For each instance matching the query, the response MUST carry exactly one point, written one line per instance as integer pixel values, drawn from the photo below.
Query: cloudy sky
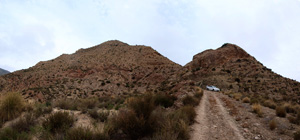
(39, 30)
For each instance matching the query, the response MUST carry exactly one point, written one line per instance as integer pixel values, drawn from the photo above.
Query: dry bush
(199, 93)
(280, 111)
(246, 100)
(273, 124)
(11, 134)
(142, 106)
(237, 96)
(41, 109)
(290, 108)
(99, 116)
(189, 100)
(58, 122)
(88, 103)
(257, 109)
(294, 120)
(186, 113)
(11, 106)
(297, 135)
(84, 133)
(270, 104)
(164, 100)
(67, 104)
(131, 124)
(24, 123)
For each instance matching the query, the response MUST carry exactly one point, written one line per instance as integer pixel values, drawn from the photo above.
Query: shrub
(131, 124)
(11, 106)
(41, 109)
(142, 106)
(67, 104)
(79, 133)
(186, 113)
(25, 123)
(257, 109)
(289, 108)
(294, 120)
(189, 100)
(237, 96)
(273, 124)
(58, 122)
(280, 111)
(101, 116)
(199, 93)
(246, 100)
(89, 103)
(163, 100)
(11, 134)
(297, 135)
(270, 104)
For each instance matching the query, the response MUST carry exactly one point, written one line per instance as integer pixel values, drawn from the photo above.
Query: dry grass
(280, 111)
(270, 103)
(190, 100)
(58, 122)
(237, 96)
(11, 106)
(273, 124)
(246, 100)
(256, 108)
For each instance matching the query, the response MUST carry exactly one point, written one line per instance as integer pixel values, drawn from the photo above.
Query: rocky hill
(233, 69)
(111, 68)
(2, 71)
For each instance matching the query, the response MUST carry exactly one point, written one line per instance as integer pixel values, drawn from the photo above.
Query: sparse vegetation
(297, 135)
(246, 100)
(190, 100)
(273, 124)
(256, 108)
(100, 116)
(58, 122)
(280, 111)
(270, 104)
(237, 96)
(11, 106)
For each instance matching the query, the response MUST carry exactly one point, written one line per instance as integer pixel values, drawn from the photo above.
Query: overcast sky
(39, 30)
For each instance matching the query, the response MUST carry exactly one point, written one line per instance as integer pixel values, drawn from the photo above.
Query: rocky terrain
(111, 68)
(2, 71)
(233, 69)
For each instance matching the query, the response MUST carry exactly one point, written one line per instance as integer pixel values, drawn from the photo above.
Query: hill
(2, 71)
(233, 69)
(111, 68)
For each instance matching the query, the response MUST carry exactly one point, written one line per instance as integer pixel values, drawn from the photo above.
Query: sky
(40, 30)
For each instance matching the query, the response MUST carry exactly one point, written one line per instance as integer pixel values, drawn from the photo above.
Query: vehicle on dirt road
(212, 88)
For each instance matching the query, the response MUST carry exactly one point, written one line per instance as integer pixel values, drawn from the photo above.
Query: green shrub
(270, 104)
(280, 111)
(58, 122)
(163, 100)
(11, 106)
(189, 100)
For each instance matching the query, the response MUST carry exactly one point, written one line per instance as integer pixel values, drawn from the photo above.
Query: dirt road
(213, 121)
(223, 118)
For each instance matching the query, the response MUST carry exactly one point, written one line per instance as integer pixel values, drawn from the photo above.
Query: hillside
(2, 71)
(233, 69)
(111, 68)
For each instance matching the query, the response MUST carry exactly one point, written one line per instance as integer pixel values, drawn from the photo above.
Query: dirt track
(223, 118)
(213, 121)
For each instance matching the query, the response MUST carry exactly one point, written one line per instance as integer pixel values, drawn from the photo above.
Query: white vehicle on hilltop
(212, 88)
